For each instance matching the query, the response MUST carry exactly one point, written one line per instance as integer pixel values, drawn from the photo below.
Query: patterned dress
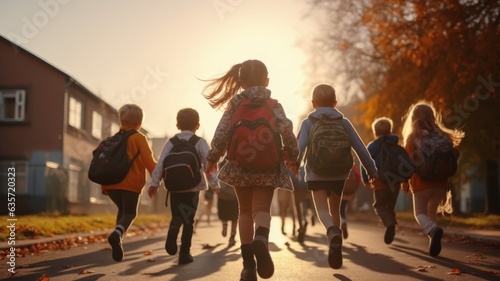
(237, 176)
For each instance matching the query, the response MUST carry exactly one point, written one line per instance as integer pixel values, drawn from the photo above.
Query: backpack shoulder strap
(313, 119)
(129, 133)
(175, 140)
(271, 102)
(194, 139)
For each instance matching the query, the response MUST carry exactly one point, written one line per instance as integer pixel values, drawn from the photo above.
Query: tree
(398, 52)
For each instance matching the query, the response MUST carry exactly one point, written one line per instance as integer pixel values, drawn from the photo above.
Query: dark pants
(330, 186)
(343, 207)
(384, 201)
(183, 207)
(127, 203)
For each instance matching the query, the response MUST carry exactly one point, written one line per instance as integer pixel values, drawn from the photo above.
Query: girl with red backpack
(251, 131)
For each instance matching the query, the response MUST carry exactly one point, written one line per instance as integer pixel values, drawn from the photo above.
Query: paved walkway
(216, 260)
(491, 237)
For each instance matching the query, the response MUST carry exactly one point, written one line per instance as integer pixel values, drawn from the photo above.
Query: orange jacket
(136, 177)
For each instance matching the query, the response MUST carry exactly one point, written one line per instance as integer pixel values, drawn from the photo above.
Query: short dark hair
(187, 119)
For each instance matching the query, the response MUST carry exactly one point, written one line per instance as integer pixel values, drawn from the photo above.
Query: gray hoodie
(356, 143)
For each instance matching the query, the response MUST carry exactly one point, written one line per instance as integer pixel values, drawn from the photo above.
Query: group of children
(254, 188)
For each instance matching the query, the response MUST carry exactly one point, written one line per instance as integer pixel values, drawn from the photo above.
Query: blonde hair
(130, 115)
(324, 95)
(423, 118)
(382, 126)
(446, 205)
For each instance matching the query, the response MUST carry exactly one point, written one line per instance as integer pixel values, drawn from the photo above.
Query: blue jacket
(374, 148)
(356, 143)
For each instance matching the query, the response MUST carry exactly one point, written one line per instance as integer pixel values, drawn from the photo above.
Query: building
(50, 124)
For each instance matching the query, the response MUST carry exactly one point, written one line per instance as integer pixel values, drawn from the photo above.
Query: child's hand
(368, 185)
(294, 166)
(405, 187)
(152, 191)
(216, 190)
(213, 182)
(285, 155)
(211, 167)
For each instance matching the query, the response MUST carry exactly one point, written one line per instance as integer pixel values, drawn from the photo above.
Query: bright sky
(150, 52)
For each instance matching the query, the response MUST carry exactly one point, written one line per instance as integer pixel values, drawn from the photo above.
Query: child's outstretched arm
(152, 190)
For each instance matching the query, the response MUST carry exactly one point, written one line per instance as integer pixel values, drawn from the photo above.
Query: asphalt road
(366, 257)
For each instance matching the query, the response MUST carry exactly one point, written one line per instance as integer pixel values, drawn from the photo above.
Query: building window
(75, 113)
(73, 183)
(97, 125)
(12, 105)
(17, 170)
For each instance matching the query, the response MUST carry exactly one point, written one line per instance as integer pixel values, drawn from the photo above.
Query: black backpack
(181, 167)
(110, 162)
(395, 165)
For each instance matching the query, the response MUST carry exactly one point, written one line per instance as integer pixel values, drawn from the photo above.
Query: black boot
(435, 242)
(335, 247)
(260, 248)
(249, 272)
(116, 246)
(173, 231)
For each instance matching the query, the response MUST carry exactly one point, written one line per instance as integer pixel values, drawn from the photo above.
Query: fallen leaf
(150, 260)
(206, 246)
(148, 253)
(422, 269)
(43, 278)
(477, 257)
(86, 271)
(427, 266)
(455, 271)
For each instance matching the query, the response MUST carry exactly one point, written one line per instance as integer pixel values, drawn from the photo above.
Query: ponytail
(221, 90)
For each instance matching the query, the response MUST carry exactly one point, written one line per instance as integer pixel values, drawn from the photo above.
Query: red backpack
(255, 142)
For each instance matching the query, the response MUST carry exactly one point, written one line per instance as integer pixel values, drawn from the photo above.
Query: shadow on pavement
(207, 263)
(464, 268)
(76, 264)
(381, 263)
